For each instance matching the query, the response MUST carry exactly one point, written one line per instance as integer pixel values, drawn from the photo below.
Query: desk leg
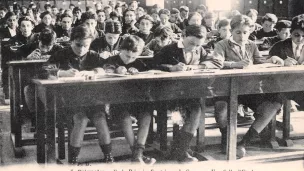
(273, 143)
(200, 141)
(162, 123)
(51, 126)
(232, 120)
(41, 122)
(286, 124)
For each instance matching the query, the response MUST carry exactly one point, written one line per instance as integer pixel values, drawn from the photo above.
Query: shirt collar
(232, 41)
(295, 45)
(180, 44)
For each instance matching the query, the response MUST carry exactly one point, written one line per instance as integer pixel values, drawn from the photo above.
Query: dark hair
(98, 11)
(297, 23)
(47, 37)
(163, 32)
(72, 5)
(113, 27)
(47, 6)
(201, 7)
(282, 24)
(184, 8)
(118, 5)
(132, 43)
(3, 8)
(197, 31)
(54, 6)
(42, 15)
(76, 9)
(164, 11)
(26, 18)
(252, 11)
(270, 17)
(113, 14)
(88, 15)
(88, 8)
(9, 15)
(106, 7)
(65, 15)
(174, 11)
(145, 17)
(223, 23)
(81, 32)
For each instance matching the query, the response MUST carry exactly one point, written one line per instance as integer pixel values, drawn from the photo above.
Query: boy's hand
(179, 67)
(121, 70)
(99, 71)
(105, 54)
(133, 71)
(240, 64)
(36, 54)
(290, 61)
(277, 60)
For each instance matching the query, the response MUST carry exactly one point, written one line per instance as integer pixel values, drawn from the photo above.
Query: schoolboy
(186, 54)
(69, 62)
(90, 19)
(145, 26)
(127, 62)
(267, 30)
(64, 30)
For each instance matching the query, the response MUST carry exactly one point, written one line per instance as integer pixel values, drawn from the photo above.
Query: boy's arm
(257, 57)
(219, 56)
(209, 61)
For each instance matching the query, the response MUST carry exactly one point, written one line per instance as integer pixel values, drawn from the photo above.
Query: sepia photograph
(152, 85)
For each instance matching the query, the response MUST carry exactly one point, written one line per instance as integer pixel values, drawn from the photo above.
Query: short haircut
(174, 11)
(145, 17)
(54, 6)
(201, 7)
(76, 9)
(194, 14)
(270, 17)
(98, 11)
(81, 32)
(282, 24)
(42, 15)
(47, 37)
(164, 11)
(297, 23)
(88, 8)
(106, 7)
(223, 23)
(197, 31)
(113, 27)
(47, 6)
(240, 20)
(184, 8)
(88, 15)
(163, 32)
(118, 5)
(2, 8)
(133, 2)
(127, 10)
(132, 43)
(71, 5)
(114, 14)
(208, 15)
(65, 15)
(26, 18)
(9, 15)
(252, 11)
(140, 9)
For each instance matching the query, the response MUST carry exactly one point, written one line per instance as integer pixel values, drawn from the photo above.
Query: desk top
(255, 70)
(24, 62)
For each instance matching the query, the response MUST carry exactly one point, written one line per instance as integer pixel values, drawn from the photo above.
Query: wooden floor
(258, 157)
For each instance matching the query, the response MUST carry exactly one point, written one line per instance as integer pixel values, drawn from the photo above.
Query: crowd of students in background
(109, 38)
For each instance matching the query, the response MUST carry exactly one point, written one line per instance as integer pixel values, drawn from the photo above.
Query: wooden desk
(160, 87)
(20, 74)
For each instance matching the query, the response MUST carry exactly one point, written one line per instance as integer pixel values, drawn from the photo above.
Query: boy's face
(26, 28)
(45, 48)
(130, 16)
(225, 32)
(78, 14)
(297, 36)
(81, 46)
(200, 11)
(112, 38)
(98, 6)
(184, 14)
(268, 26)
(173, 18)
(49, 9)
(209, 22)
(192, 43)
(108, 11)
(2, 13)
(129, 56)
(164, 19)
(145, 26)
(195, 20)
(101, 17)
(12, 22)
(47, 20)
(66, 23)
(133, 6)
(284, 33)
(139, 13)
(55, 11)
(241, 34)
(155, 17)
(91, 23)
(119, 10)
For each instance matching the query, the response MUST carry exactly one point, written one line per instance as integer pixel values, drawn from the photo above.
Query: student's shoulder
(283, 43)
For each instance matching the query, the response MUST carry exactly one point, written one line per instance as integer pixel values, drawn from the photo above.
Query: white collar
(180, 44)
(234, 42)
(294, 46)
